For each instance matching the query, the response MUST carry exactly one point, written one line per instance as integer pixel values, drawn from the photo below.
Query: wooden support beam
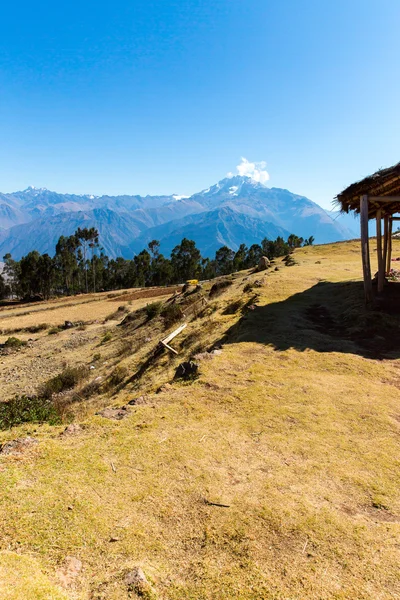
(389, 254)
(385, 241)
(384, 198)
(381, 266)
(365, 249)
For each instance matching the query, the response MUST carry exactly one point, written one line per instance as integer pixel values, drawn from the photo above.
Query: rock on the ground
(187, 370)
(114, 413)
(137, 582)
(69, 571)
(18, 446)
(138, 401)
(72, 429)
(263, 263)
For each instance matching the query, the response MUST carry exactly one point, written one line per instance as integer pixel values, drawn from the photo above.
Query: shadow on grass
(328, 317)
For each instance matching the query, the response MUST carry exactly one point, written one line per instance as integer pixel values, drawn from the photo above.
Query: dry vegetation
(274, 474)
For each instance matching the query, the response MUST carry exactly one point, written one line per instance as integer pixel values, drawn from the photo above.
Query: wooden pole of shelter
(385, 240)
(389, 254)
(381, 264)
(365, 249)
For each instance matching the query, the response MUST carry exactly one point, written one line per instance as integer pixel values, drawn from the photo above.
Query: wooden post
(365, 249)
(385, 241)
(389, 254)
(381, 264)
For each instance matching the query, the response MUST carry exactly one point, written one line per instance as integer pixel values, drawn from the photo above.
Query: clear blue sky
(165, 96)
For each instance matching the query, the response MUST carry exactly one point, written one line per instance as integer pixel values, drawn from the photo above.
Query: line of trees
(81, 266)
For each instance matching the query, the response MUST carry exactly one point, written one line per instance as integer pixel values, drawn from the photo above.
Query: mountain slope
(233, 211)
(116, 232)
(212, 229)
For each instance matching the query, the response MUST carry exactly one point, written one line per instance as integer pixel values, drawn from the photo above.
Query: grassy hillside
(274, 474)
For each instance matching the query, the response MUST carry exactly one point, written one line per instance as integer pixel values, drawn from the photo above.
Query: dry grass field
(272, 475)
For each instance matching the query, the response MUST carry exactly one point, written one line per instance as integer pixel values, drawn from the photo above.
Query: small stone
(137, 582)
(72, 429)
(92, 367)
(114, 539)
(70, 508)
(69, 571)
(68, 324)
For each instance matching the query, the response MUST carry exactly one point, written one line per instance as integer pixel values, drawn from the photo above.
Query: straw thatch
(385, 182)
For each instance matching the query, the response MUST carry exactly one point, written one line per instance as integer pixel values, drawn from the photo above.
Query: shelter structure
(375, 197)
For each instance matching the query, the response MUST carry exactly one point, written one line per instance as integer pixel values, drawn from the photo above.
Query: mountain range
(235, 210)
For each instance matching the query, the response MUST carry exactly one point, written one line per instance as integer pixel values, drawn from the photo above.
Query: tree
(294, 241)
(224, 260)
(86, 237)
(185, 261)
(4, 288)
(253, 256)
(12, 272)
(309, 241)
(239, 260)
(66, 260)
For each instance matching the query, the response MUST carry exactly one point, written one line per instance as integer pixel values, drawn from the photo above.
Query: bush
(219, 287)
(37, 328)
(54, 330)
(121, 310)
(153, 310)
(171, 313)
(14, 343)
(23, 409)
(117, 377)
(106, 338)
(66, 380)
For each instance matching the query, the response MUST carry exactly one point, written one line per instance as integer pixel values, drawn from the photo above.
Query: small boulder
(263, 263)
(137, 582)
(114, 413)
(68, 325)
(187, 370)
(72, 429)
(18, 446)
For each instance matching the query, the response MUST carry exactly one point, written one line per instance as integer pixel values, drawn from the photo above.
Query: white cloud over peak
(254, 170)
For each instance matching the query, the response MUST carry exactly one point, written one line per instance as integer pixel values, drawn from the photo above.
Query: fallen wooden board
(171, 336)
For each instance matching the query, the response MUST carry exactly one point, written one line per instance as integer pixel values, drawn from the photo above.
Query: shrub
(37, 328)
(96, 356)
(24, 409)
(248, 287)
(171, 313)
(66, 380)
(14, 343)
(106, 338)
(153, 310)
(117, 377)
(219, 287)
(126, 348)
(121, 310)
(233, 307)
(54, 330)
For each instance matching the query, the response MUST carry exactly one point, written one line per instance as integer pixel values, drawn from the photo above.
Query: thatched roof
(385, 182)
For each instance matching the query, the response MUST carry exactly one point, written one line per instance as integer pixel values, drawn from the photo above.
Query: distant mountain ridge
(233, 211)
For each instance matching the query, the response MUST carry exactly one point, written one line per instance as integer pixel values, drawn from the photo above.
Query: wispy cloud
(254, 170)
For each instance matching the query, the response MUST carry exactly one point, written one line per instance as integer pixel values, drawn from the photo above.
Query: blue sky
(165, 96)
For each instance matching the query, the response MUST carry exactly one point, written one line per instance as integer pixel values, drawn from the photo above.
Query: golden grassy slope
(295, 430)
